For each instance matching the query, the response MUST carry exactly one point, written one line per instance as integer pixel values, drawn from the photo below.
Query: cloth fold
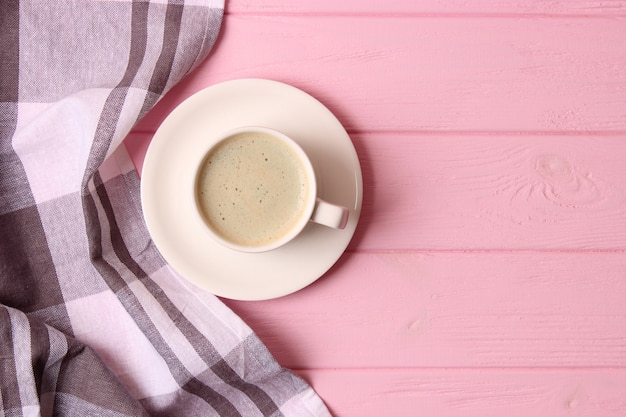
(92, 319)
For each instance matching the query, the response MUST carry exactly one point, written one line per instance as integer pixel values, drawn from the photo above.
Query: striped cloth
(93, 322)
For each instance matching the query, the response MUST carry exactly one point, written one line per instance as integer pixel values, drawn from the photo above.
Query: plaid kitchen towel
(93, 322)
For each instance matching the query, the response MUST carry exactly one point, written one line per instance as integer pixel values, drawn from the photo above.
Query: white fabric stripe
(54, 171)
(23, 366)
(108, 252)
(128, 115)
(203, 310)
(125, 350)
(176, 340)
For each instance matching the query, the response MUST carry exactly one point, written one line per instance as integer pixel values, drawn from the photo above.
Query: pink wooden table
(487, 276)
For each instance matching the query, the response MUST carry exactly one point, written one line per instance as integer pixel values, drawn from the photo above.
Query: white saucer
(169, 166)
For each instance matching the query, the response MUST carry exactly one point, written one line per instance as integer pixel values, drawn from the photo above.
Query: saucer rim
(280, 283)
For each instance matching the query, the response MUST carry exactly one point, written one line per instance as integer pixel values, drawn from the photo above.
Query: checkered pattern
(92, 320)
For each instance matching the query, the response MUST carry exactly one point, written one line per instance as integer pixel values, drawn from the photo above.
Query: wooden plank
(471, 393)
(482, 192)
(137, 145)
(432, 73)
(488, 7)
(402, 310)
(485, 192)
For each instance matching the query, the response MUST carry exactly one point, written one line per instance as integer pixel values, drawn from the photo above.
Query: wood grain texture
(402, 310)
(472, 393)
(485, 192)
(404, 7)
(432, 74)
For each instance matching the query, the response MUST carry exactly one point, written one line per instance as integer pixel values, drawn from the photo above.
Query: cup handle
(330, 215)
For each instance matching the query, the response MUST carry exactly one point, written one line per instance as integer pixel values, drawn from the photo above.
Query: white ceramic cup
(255, 190)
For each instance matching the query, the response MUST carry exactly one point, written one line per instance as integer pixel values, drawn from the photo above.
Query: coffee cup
(255, 190)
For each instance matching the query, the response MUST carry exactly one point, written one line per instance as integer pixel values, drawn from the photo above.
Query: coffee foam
(252, 189)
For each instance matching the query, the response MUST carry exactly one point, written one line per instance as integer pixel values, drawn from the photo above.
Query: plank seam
(477, 133)
(425, 15)
(489, 251)
(468, 368)
(540, 133)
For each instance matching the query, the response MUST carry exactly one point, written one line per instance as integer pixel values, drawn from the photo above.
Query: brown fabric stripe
(264, 402)
(9, 52)
(8, 382)
(138, 39)
(40, 352)
(28, 279)
(163, 68)
(14, 190)
(216, 400)
(114, 102)
(171, 34)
